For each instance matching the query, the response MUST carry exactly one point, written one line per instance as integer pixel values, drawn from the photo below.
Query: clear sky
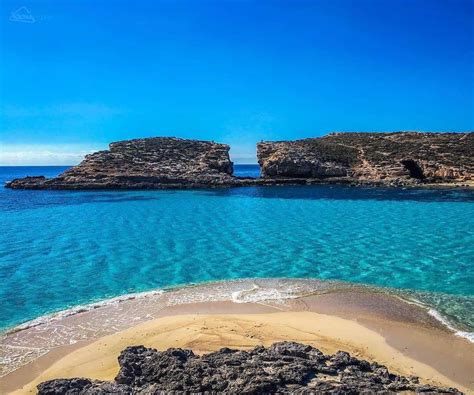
(84, 73)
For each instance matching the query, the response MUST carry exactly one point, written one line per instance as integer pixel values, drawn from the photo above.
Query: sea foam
(34, 338)
(438, 316)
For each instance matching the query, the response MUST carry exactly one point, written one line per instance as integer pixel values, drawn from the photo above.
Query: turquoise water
(63, 248)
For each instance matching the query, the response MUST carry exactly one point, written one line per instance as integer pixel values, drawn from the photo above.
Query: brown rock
(400, 158)
(144, 163)
(393, 159)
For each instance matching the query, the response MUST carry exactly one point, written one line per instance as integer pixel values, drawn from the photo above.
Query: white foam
(256, 294)
(466, 335)
(112, 315)
(83, 308)
(438, 316)
(259, 294)
(273, 290)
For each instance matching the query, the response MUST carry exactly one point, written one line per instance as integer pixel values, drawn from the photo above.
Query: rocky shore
(161, 162)
(388, 159)
(403, 158)
(284, 367)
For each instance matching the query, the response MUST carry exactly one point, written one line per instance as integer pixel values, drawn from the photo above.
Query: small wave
(437, 315)
(259, 294)
(271, 290)
(428, 306)
(112, 315)
(81, 309)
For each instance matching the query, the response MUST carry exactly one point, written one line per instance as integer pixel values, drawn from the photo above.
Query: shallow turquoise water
(61, 248)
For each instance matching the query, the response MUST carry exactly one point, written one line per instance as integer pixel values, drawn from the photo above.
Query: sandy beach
(375, 327)
(237, 197)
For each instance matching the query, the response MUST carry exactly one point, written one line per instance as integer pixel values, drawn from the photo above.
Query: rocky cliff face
(144, 163)
(388, 158)
(404, 158)
(284, 367)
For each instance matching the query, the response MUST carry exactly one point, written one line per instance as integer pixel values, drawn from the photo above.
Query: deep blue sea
(63, 248)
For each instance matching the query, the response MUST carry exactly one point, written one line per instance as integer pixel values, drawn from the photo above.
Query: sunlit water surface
(61, 248)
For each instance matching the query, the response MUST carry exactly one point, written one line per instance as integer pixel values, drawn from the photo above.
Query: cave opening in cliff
(413, 168)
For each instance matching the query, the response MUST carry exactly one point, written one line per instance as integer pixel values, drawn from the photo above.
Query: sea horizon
(255, 197)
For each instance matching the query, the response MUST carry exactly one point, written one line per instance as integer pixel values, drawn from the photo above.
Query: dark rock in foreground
(402, 158)
(282, 368)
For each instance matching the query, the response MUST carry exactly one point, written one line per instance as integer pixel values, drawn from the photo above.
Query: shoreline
(322, 286)
(407, 328)
(238, 182)
(394, 344)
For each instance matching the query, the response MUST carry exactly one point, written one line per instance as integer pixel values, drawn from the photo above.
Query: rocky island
(390, 159)
(403, 158)
(161, 162)
(284, 367)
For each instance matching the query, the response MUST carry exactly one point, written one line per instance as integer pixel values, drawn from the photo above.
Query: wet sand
(374, 326)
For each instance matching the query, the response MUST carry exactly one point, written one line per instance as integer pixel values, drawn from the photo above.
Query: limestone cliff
(144, 163)
(404, 158)
(387, 158)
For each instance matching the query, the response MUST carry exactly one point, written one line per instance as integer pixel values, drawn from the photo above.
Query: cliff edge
(400, 158)
(388, 159)
(161, 162)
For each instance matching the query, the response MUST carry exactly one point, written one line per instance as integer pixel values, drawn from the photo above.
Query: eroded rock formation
(387, 158)
(144, 163)
(284, 367)
(404, 158)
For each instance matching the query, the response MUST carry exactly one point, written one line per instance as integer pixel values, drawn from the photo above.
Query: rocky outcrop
(144, 163)
(386, 158)
(405, 158)
(284, 367)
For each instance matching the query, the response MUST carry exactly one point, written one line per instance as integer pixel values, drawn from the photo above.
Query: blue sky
(85, 73)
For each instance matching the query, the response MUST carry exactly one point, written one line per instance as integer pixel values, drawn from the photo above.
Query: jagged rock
(281, 368)
(387, 158)
(144, 163)
(391, 159)
(81, 386)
